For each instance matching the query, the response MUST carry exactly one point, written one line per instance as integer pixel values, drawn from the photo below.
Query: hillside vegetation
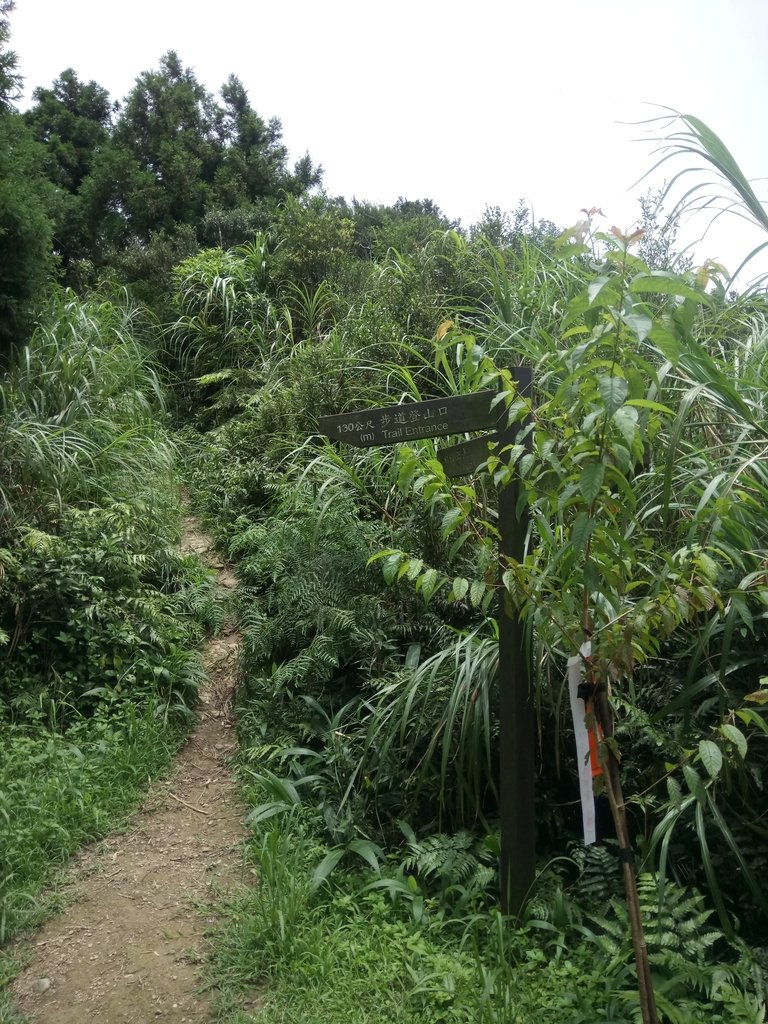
(183, 306)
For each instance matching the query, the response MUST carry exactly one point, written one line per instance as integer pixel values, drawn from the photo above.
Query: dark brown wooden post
(440, 417)
(516, 707)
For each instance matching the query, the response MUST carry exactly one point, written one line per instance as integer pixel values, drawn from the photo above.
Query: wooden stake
(517, 751)
(615, 796)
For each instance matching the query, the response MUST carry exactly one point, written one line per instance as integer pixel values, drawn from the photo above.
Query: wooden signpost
(440, 417)
(369, 428)
(517, 726)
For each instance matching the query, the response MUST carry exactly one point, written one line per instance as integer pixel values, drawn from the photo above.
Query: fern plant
(696, 973)
(676, 925)
(454, 870)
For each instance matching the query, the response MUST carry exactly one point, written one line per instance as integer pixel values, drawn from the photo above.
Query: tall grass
(707, 179)
(80, 412)
(99, 666)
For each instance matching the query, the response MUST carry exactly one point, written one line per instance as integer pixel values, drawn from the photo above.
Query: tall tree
(72, 119)
(167, 131)
(10, 79)
(176, 168)
(25, 229)
(253, 175)
(188, 154)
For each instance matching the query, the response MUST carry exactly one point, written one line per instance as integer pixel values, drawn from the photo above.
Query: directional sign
(440, 417)
(463, 459)
(410, 421)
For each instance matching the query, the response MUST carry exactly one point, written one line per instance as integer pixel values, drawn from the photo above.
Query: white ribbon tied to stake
(582, 745)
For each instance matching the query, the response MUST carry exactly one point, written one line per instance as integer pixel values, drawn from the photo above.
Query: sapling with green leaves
(612, 567)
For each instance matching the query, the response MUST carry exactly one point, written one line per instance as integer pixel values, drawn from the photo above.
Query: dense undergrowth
(367, 705)
(100, 615)
(418, 940)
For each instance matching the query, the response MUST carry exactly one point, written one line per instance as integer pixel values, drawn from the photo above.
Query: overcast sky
(470, 104)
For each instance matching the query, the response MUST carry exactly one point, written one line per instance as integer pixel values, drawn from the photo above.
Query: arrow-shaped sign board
(410, 421)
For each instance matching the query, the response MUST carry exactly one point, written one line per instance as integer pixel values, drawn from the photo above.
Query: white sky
(468, 103)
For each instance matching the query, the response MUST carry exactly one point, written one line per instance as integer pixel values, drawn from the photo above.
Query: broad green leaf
(412, 656)
(460, 587)
(452, 518)
(575, 330)
(508, 580)
(458, 543)
(751, 717)
(596, 288)
(429, 584)
(674, 791)
(625, 419)
(381, 554)
(646, 403)
(695, 785)
(591, 480)
(622, 457)
(325, 867)
(476, 592)
(391, 565)
(592, 418)
(637, 381)
(741, 608)
(405, 566)
(639, 323)
(666, 342)
(736, 737)
(408, 469)
(613, 391)
(370, 852)
(711, 757)
(415, 565)
(708, 567)
(428, 579)
(582, 530)
(664, 283)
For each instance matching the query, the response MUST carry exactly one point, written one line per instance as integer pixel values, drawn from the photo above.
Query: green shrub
(91, 614)
(60, 791)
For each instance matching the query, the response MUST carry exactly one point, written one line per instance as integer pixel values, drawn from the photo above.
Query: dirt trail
(129, 948)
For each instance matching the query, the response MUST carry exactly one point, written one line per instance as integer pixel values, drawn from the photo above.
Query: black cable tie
(626, 854)
(586, 690)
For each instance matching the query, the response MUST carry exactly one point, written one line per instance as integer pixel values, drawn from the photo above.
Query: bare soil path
(128, 950)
